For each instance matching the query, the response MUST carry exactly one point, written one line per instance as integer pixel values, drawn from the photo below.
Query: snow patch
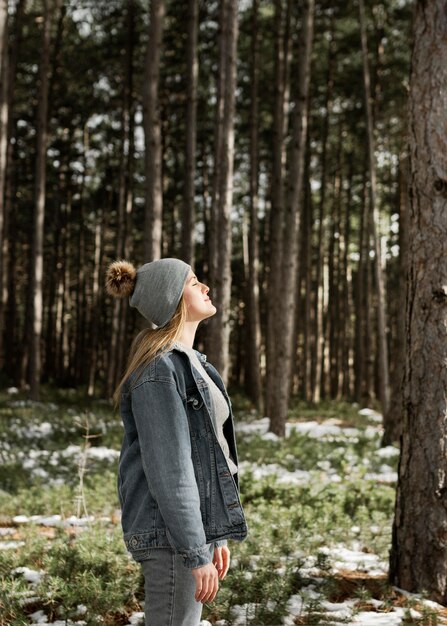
(31, 575)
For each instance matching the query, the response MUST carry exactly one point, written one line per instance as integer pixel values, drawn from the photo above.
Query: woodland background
(95, 194)
(294, 154)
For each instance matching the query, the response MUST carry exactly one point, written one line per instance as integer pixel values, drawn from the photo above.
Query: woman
(177, 476)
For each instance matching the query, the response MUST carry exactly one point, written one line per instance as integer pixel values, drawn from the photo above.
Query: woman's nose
(206, 288)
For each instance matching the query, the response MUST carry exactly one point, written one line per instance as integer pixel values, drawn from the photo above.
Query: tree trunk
(280, 125)
(219, 326)
(285, 322)
(192, 76)
(346, 283)
(152, 136)
(418, 560)
(120, 307)
(375, 221)
(36, 278)
(317, 352)
(4, 139)
(334, 274)
(8, 354)
(253, 378)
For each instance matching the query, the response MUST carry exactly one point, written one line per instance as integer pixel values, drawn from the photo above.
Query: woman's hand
(222, 561)
(207, 582)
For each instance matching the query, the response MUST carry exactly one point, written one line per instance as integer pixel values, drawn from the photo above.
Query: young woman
(177, 476)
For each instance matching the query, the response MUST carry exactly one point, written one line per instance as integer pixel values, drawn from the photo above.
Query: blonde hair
(150, 343)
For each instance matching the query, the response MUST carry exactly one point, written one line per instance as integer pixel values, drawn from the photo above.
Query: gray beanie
(158, 289)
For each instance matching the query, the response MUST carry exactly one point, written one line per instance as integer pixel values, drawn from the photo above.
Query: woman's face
(196, 297)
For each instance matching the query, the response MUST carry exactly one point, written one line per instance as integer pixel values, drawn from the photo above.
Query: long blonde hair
(150, 343)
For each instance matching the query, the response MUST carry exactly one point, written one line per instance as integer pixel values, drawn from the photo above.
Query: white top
(221, 410)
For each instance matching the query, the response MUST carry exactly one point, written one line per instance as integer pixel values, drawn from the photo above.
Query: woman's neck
(188, 334)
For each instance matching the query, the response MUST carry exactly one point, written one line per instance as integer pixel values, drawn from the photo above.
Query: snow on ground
(329, 430)
(53, 520)
(39, 617)
(31, 575)
(343, 558)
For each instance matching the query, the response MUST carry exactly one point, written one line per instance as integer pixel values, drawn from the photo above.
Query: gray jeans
(169, 589)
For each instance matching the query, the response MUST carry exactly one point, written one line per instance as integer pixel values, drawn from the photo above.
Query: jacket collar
(181, 348)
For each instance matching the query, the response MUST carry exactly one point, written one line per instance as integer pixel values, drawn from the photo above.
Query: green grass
(289, 525)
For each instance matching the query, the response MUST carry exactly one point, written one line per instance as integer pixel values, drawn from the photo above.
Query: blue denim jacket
(174, 484)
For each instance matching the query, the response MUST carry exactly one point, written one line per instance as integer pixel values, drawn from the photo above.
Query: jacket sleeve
(165, 444)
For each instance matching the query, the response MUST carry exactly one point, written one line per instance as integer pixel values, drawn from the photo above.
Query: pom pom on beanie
(120, 279)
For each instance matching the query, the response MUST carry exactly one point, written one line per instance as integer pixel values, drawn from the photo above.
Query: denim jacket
(174, 484)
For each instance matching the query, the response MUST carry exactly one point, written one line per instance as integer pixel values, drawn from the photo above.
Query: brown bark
(8, 354)
(152, 136)
(345, 296)
(280, 126)
(219, 326)
(36, 277)
(334, 276)
(4, 137)
(317, 352)
(253, 378)
(120, 307)
(192, 77)
(289, 261)
(418, 560)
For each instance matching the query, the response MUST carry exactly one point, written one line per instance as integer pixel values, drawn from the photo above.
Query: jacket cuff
(197, 558)
(220, 543)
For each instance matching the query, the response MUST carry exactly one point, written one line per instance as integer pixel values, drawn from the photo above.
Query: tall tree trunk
(253, 378)
(192, 77)
(418, 560)
(375, 221)
(346, 282)
(362, 339)
(280, 125)
(35, 286)
(4, 139)
(334, 273)
(304, 321)
(317, 352)
(219, 335)
(289, 273)
(152, 136)
(120, 308)
(8, 353)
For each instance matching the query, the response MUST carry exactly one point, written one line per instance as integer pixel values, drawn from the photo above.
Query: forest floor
(319, 505)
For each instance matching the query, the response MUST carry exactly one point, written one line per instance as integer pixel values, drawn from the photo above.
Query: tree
(374, 220)
(221, 240)
(418, 560)
(253, 317)
(192, 69)
(152, 135)
(280, 126)
(35, 286)
(4, 124)
(280, 383)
